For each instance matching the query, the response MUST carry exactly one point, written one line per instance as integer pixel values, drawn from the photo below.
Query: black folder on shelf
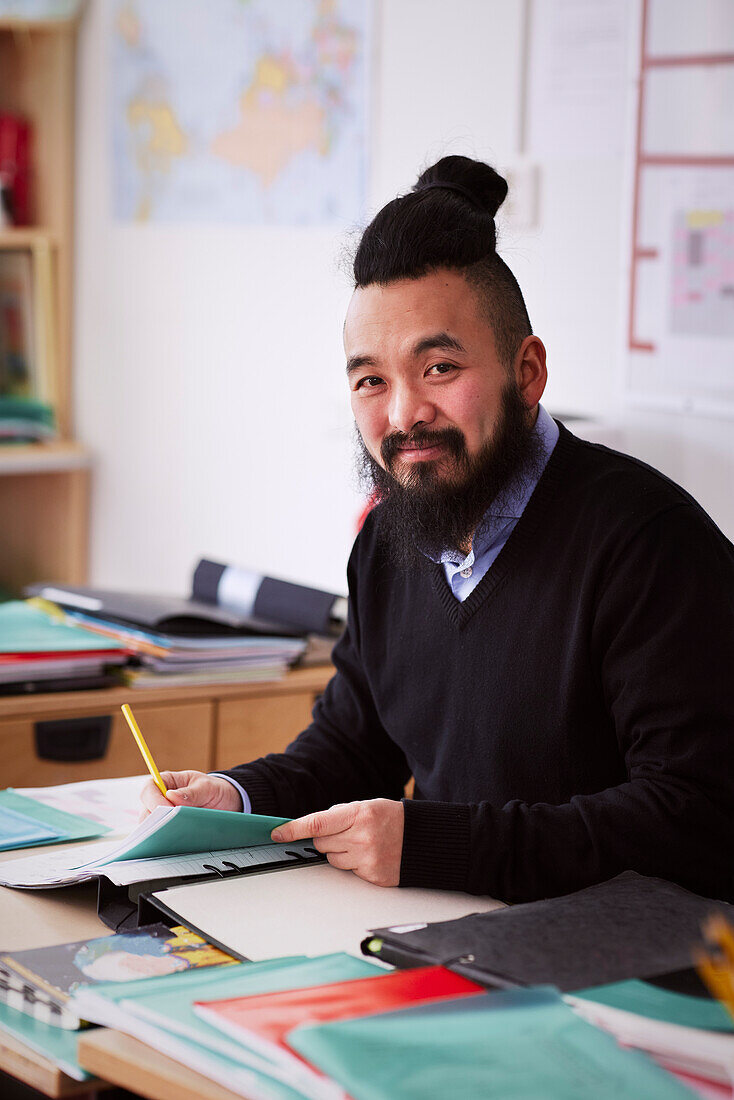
(628, 927)
(161, 614)
(299, 607)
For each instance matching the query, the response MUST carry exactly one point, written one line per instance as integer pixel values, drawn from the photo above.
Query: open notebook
(172, 842)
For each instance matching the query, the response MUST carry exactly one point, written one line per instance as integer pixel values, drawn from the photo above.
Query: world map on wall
(240, 110)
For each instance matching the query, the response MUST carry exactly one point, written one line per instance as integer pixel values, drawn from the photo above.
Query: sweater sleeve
(345, 754)
(663, 648)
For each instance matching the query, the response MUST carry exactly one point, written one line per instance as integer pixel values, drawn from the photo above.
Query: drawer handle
(73, 739)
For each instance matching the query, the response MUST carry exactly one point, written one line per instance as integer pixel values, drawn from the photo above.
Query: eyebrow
(437, 341)
(440, 341)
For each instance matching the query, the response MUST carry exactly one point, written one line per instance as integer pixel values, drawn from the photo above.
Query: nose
(409, 407)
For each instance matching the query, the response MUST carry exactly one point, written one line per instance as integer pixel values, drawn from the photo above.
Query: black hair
(447, 221)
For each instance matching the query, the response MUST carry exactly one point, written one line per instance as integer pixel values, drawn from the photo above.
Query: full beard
(432, 508)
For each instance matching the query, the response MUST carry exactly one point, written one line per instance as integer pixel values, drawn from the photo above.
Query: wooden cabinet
(263, 725)
(70, 736)
(44, 488)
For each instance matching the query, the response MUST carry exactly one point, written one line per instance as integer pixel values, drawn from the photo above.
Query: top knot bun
(446, 221)
(486, 187)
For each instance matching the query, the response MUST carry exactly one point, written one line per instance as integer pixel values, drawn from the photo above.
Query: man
(541, 631)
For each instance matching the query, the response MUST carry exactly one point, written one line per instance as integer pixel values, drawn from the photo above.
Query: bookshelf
(44, 488)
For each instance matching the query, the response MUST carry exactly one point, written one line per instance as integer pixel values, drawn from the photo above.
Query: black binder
(628, 927)
(123, 908)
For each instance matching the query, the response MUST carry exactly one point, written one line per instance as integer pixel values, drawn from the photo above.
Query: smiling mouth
(422, 451)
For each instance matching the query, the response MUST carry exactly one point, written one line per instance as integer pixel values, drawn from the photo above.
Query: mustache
(450, 438)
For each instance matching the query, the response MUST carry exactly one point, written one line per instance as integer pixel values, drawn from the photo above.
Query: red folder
(262, 1021)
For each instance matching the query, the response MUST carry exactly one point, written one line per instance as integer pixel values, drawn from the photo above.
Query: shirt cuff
(246, 807)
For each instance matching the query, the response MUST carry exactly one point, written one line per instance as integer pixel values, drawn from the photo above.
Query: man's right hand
(189, 788)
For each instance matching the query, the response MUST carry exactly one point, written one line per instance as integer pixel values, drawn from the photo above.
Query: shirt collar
(512, 501)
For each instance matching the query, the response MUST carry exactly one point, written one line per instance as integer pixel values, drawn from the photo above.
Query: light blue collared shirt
(464, 572)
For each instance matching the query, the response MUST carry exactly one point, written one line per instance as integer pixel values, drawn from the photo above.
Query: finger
(151, 797)
(323, 823)
(201, 791)
(345, 861)
(173, 781)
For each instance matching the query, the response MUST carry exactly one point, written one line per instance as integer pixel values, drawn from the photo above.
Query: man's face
(421, 359)
(443, 424)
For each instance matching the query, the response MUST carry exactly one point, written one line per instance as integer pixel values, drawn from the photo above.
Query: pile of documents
(41, 651)
(175, 642)
(165, 660)
(327, 1026)
(37, 985)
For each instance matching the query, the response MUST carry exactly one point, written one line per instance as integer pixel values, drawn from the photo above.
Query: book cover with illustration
(40, 981)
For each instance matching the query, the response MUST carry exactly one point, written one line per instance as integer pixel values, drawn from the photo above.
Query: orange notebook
(262, 1021)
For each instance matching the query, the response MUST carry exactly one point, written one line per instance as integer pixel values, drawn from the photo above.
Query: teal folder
(655, 1003)
(190, 829)
(54, 1043)
(514, 1045)
(26, 823)
(20, 831)
(27, 629)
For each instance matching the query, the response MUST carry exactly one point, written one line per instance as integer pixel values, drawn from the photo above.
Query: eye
(440, 369)
(370, 382)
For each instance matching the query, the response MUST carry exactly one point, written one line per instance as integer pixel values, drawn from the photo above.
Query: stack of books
(37, 985)
(176, 642)
(41, 651)
(169, 660)
(28, 363)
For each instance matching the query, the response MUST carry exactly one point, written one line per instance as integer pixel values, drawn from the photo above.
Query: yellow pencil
(140, 741)
(716, 966)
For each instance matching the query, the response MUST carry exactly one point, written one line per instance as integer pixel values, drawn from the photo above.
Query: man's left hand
(364, 837)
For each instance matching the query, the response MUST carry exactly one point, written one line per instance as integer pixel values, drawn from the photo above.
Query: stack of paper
(36, 985)
(40, 651)
(168, 659)
(690, 1033)
(325, 1027)
(172, 841)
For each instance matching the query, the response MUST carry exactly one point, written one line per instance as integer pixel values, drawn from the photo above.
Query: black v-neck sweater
(573, 718)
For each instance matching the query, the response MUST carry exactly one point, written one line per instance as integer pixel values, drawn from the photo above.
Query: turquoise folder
(655, 1003)
(54, 1043)
(191, 829)
(514, 1045)
(27, 629)
(26, 823)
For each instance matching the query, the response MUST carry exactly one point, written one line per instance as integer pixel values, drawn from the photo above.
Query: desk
(204, 727)
(57, 916)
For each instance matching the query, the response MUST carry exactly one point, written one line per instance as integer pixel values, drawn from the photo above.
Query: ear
(530, 370)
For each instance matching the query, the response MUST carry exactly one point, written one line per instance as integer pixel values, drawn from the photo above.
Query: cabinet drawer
(248, 728)
(44, 750)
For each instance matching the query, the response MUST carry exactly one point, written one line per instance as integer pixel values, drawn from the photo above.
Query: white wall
(209, 370)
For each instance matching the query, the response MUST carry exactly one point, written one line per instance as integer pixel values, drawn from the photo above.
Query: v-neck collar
(526, 529)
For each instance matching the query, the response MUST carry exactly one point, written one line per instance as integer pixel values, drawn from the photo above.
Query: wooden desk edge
(33, 1069)
(130, 1064)
(314, 678)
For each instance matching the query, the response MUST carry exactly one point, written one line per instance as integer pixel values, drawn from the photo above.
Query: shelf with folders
(29, 381)
(44, 486)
